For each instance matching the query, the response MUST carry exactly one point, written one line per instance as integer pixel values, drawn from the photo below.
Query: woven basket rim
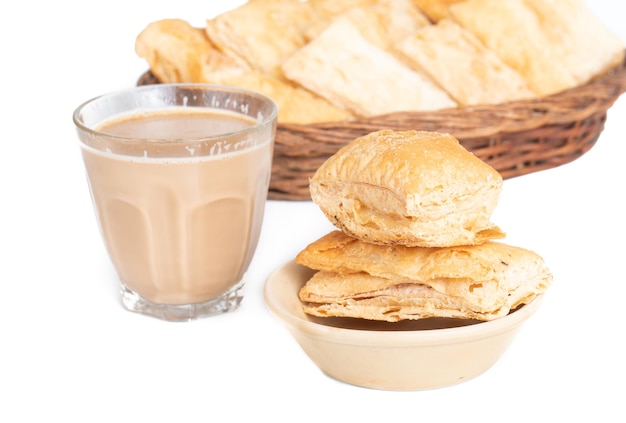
(576, 103)
(573, 104)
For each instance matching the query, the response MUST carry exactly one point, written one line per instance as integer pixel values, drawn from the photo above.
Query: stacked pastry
(415, 236)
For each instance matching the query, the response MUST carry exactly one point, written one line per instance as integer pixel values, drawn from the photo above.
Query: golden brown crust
(178, 52)
(343, 59)
(261, 33)
(295, 104)
(325, 11)
(436, 10)
(409, 187)
(580, 41)
(352, 73)
(456, 60)
(359, 279)
(554, 45)
(383, 23)
(174, 50)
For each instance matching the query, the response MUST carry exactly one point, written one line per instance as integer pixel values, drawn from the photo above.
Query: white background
(69, 352)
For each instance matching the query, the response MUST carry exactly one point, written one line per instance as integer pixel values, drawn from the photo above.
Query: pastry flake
(436, 10)
(262, 33)
(354, 74)
(455, 59)
(554, 45)
(174, 49)
(391, 283)
(413, 188)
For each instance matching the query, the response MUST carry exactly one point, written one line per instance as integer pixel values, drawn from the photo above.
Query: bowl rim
(298, 274)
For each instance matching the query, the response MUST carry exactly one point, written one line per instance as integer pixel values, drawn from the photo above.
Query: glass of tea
(179, 176)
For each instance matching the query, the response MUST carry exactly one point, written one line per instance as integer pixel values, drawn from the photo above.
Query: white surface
(69, 352)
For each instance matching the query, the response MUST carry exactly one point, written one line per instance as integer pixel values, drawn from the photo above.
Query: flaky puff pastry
(344, 67)
(174, 49)
(262, 33)
(381, 22)
(411, 188)
(554, 45)
(295, 104)
(391, 283)
(436, 10)
(455, 59)
(179, 52)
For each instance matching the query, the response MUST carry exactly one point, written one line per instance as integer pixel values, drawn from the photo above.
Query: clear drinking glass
(179, 176)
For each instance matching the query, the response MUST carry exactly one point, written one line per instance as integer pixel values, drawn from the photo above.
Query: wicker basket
(515, 138)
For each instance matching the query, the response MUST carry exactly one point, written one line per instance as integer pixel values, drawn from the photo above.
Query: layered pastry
(390, 282)
(411, 188)
(416, 239)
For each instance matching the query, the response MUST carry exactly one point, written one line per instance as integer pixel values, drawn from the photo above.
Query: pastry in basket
(455, 59)
(381, 22)
(174, 50)
(554, 45)
(262, 33)
(295, 104)
(392, 283)
(327, 10)
(413, 188)
(339, 60)
(352, 73)
(435, 9)
(178, 52)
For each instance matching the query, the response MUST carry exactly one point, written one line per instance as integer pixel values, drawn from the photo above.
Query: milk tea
(181, 224)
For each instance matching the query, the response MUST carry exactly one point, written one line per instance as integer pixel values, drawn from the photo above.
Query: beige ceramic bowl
(413, 355)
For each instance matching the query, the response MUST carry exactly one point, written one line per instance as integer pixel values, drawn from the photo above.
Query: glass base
(226, 302)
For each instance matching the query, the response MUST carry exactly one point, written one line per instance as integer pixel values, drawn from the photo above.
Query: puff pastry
(179, 52)
(581, 42)
(554, 45)
(391, 283)
(412, 188)
(455, 59)
(174, 49)
(327, 10)
(352, 73)
(436, 10)
(262, 33)
(295, 104)
(381, 22)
